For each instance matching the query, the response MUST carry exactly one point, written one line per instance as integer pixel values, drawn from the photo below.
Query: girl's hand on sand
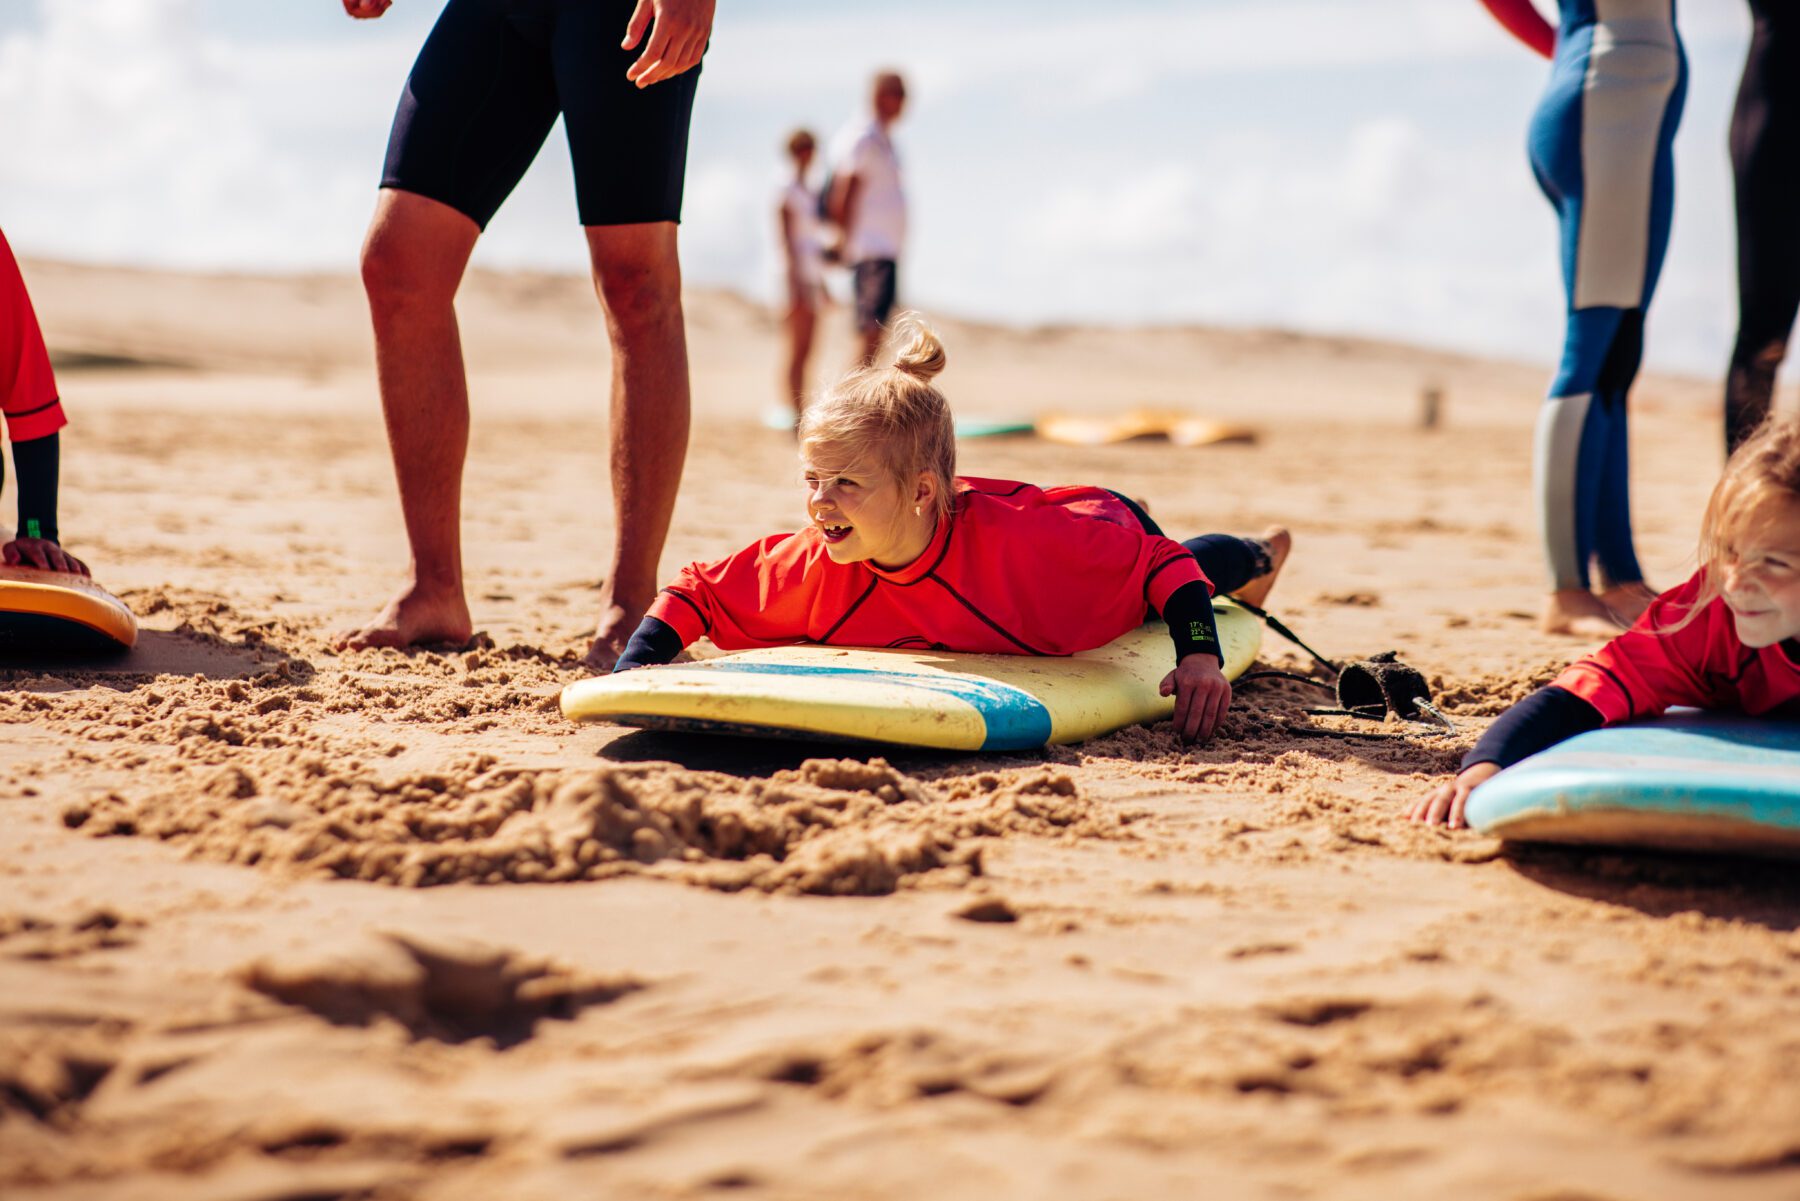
(41, 553)
(1444, 804)
(364, 10)
(1202, 695)
(677, 40)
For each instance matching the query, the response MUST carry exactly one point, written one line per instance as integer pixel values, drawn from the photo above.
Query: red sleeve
(27, 385)
(1654, 664)
(1525, 22)
(760, 596)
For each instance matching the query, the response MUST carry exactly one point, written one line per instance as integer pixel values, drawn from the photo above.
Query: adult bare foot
(1280, 542)
(413, 618)
(1577, 612)
(618, 622)
(1627, 602)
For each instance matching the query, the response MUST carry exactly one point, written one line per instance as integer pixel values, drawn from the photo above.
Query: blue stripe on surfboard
(1015, 720)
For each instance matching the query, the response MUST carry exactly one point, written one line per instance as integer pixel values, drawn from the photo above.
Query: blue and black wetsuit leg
(1765, 160)
(1602, 148)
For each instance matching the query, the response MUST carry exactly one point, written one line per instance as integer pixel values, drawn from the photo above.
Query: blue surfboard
(1686, 782)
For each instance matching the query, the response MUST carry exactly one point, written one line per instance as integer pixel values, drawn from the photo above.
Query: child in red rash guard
(1728, 638)
(33, 415)
(899, 552)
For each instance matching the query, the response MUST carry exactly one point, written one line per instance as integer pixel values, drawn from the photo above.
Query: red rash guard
(1649, 667)
(27, 388)
(1015, 569)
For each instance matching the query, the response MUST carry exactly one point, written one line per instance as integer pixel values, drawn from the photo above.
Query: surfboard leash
(1368, 688)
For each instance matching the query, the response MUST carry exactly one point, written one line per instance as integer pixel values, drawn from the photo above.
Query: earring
(918, 511)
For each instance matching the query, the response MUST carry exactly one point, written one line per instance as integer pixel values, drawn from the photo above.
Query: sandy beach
(278, 922)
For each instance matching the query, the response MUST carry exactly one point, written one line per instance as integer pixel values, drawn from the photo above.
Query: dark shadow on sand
(758, 757)
(1765, 892)
(157, 653)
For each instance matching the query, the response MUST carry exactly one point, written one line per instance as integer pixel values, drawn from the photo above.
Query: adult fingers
(34, 555)
(640, 21)
(641, 71)
(10, 552)
(1167, 687)
(1431, 809)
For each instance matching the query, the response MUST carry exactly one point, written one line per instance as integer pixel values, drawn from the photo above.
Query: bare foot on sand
(1578, 612)
(618, 622)
(1627, 602)
(1280, 543)
(414, 618)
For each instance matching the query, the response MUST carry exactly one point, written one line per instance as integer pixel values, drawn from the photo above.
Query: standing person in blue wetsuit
(1765, 160)
(488, 85)
(1601, 147)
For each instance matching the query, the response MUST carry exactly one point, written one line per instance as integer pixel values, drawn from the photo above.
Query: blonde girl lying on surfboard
(900, 552)
(1728, 638)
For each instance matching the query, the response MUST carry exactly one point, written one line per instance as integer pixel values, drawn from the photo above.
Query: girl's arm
(1522, 19)
(654, 642)
(35, 545)
(1543, 719)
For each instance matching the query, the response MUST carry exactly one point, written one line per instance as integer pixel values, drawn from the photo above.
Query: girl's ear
(925, 491)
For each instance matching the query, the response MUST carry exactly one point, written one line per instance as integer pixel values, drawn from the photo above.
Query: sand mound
(836, 827)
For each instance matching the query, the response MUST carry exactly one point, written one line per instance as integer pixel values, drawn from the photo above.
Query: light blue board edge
(1015, 720)
(1692, 764)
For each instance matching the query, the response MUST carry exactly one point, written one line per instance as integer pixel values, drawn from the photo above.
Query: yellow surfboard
(936, 699)
(1179, 428)
(57, 610)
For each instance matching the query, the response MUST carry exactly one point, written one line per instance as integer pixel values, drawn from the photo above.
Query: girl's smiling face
(863, 512)
(1761, 583)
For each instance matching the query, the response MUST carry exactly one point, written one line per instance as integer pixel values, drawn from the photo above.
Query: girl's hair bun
(918, 351)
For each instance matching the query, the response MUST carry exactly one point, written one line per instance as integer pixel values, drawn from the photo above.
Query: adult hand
(1444, 804)
(366, 10)
(1202, 695)
(677, 40)
(41, 553)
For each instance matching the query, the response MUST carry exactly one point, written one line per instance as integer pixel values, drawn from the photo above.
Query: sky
(1350, 166)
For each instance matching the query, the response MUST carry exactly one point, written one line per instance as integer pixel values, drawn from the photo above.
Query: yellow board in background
(935, 699)
(55, 610)
(1179, 428)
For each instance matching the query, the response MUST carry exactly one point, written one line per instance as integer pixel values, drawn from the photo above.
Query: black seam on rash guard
(1012, 491)
(1750, 659)
(1630, 701)
(986, 620)
(935, 563)
(54, 401)
(854, 606)
(705, 622)
(1155, 571)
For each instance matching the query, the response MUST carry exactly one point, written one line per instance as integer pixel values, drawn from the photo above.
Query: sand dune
(279, 922)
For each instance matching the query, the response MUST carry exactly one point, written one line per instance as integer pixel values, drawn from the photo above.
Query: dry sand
(666, 967)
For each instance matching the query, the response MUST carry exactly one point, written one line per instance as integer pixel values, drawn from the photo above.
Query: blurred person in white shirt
(868, 203)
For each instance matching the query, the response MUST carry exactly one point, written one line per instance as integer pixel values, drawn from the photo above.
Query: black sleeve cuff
(654, 642)
(1192, 626)
(36, 462)
(1546, 717)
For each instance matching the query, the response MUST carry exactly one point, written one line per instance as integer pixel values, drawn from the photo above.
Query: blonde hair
(892, 415)
(1765, 468)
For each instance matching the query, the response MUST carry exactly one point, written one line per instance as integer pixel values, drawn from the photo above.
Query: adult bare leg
(638, 277)
(802, 320)
(412, 262)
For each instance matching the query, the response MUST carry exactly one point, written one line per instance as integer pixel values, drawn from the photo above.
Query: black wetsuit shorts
(491, 81)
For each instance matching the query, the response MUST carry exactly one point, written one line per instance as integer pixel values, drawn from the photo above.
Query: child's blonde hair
(891, 416)
(1765, 468)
